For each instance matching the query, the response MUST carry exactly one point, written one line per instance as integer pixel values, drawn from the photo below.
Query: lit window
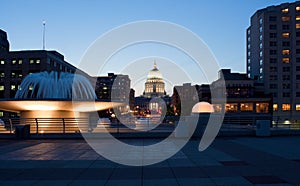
(38, 61)
(31, 61)
(298, 107)
(246, 107)
(285, 35)
(298, 18)
(286, 18)
(285, 52)
(286, 60)
(2, 62)
(2, 74)
(20, 61)
(1, 114)
(232, 107)
(12, 87)
(298, 8)
(286, 10)
(13, 61)
(262, 107)
(297, 26)
(275, 107)
(286, 106)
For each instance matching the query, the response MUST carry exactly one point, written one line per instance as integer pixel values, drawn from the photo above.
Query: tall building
(273, 57)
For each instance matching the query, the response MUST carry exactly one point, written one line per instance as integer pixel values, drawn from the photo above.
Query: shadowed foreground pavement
(229, 161)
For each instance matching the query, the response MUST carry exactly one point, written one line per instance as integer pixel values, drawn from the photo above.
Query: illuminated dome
(154, 73)
(202, 107)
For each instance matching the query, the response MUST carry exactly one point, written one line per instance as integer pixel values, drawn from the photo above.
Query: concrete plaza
(228, 161)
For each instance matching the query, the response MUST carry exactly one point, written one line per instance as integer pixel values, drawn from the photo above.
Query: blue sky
(72, 26)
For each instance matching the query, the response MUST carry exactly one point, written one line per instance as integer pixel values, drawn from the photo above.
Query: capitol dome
(154, 73)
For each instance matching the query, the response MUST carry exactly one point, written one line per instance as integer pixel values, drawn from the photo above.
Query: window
(286, 94)
(20, 61)
(273, 69)
(31, 61)
(274, 94)
(286, 69)
(275, 107)
(12, 87)
(298, 8)
(13, 61)
(37, 61)
(273, 52)
(285, 43)
(298, 107)
(285, 52)
(274, 60)
(285, 10)
(297, 77)
(262, 107)
(298, 85)
(1, 87)
(297, 68)
(261, 62)
(231, 107)
(297, 94)
(273, 43)
(260, 21)
(246, 107)
(298, 59)
(285, 34)
(13, 74)
(286, 60)
(273, 86)
(297, 51)
(298, 42)
(273, 77)
(272, 18)
(298, 18)
(2, 74)
(286, 107)
(285, 18)
(272, 27)
(285, 27)
(297, 26)
(273, 35)
(297, 34)
(286, 77)
(2, 62)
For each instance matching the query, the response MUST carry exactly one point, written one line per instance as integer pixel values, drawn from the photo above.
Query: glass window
(285, 34)
(285, 43)
(285, 52)
(275, 107)
(298, 107)
(2, 62)
(285, 27)
(285, 10)
(273, 52)
(20, 61)
(31, 61)
(286, 69)
(273, 69)
(273, 77)
(273, 43)
(12, 87)
(272, 18)
(38, 61)
(286, 94)
(286, 77)
(217, 107)
(297, 68)
(13, 61)
(273, 60)
(286, 60)
(286, 107)
(286, 18)
(272, 35)
(1, 87)
(297, 25)
(298, 18)
(246, 107)
(273, 86)
(272, 27)
(262, 107)
(297, 94)
(298, 8)
(231, 107)
(2, 74)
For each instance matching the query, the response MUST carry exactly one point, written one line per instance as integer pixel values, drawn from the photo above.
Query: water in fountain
(54, 85)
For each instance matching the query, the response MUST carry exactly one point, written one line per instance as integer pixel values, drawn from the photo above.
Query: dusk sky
(72, 26)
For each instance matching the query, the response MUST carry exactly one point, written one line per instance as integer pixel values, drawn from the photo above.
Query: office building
(273, 57)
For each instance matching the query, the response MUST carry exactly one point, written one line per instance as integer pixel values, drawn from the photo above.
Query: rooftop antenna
(44, 30)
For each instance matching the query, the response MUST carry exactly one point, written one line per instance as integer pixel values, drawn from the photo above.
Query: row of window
(20, 61)
(285, 107)
(283, 18)
(243, 107)
(284, 77)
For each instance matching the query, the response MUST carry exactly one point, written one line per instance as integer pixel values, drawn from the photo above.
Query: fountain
(55, 95)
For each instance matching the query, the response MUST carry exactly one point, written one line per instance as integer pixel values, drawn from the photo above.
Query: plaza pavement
(228, 161)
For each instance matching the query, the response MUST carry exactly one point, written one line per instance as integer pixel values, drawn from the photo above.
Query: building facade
(273, 57)
(15, 65)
